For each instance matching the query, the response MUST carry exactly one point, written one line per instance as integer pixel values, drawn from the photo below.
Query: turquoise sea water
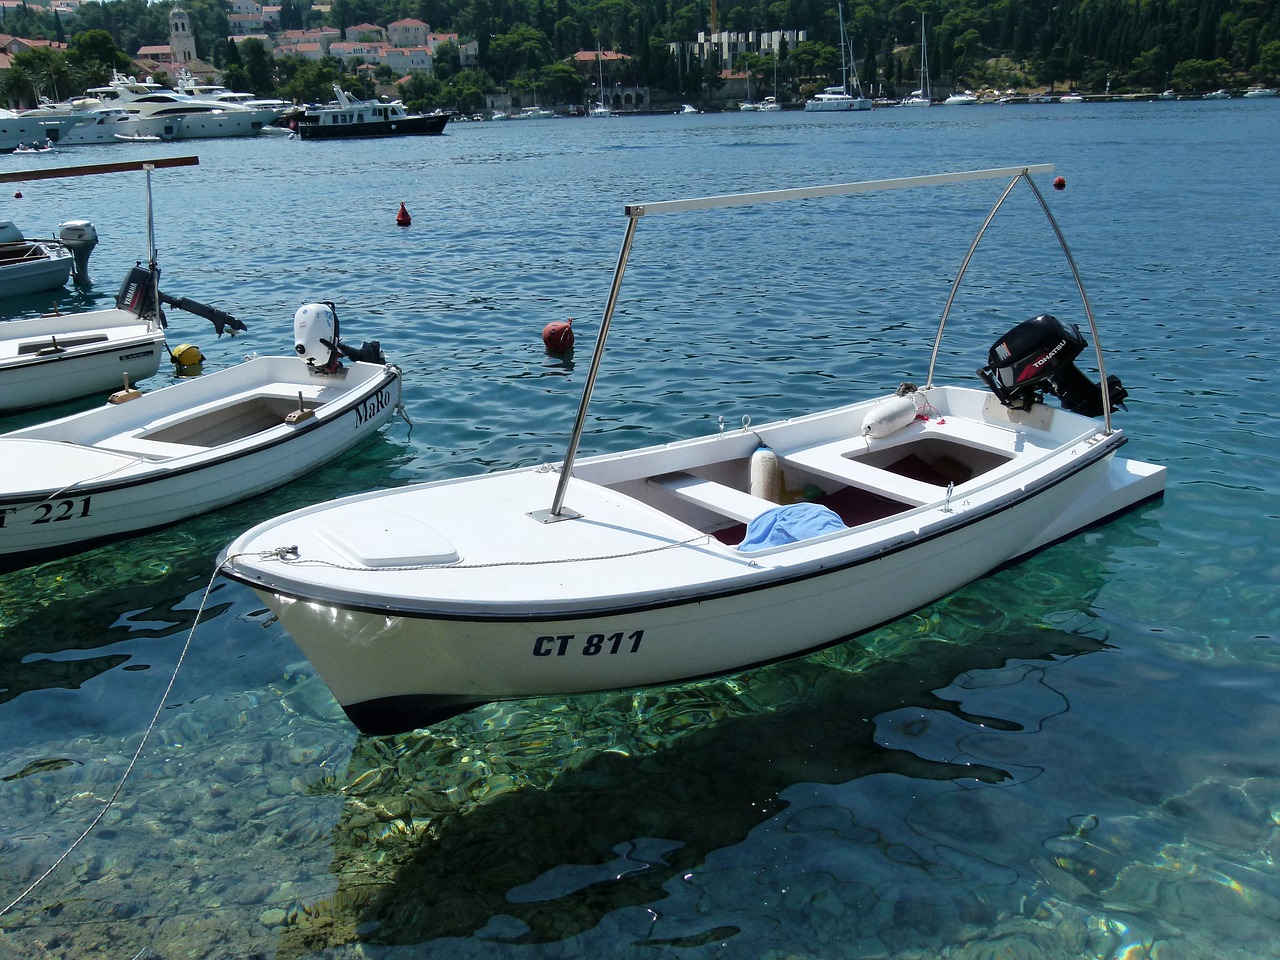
(1076, 757)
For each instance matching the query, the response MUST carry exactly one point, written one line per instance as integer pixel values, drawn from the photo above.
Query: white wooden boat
(30, 265)
(703, 556)
(185, 449)
(52, 359)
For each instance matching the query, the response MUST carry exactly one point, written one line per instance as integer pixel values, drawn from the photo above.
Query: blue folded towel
(788, 524)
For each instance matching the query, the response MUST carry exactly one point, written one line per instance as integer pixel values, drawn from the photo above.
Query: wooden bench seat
(717, 497)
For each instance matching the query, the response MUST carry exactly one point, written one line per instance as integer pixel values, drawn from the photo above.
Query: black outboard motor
(138, 295)
(1035, 358)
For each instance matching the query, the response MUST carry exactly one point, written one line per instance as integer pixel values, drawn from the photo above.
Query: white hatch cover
(381, 538)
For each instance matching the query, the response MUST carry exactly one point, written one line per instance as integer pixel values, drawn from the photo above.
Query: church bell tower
(182, 43)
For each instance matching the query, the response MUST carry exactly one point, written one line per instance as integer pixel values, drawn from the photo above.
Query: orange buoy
(402, 218)
(557, 336)
(1059, 183)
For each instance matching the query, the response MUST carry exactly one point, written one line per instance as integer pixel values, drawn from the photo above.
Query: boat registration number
(592, 645)
(50, 511)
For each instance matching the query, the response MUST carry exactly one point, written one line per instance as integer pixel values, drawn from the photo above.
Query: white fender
(765, 475)
(889, 416)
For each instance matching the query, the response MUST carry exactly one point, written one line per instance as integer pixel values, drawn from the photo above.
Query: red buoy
(1059, 183)
(402, 218)
(558, 336)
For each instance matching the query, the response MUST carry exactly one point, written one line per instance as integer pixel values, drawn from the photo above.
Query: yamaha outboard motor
(316, 339)
(141, 287)
(138, 292)
(1036, 357)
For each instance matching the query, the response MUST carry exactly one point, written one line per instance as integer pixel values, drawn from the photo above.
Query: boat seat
(717, 497)
(148, 449)
(828, 460)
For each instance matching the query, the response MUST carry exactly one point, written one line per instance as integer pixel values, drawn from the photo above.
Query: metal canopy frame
(634, 211)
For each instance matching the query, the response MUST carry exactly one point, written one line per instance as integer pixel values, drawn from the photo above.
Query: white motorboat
(704, 556)
(96, 122)
(30, 265)
(686, 109)
(965, 99)
(1258, 90)
(190, 447)
(1071, 97)
(20, 129)
(269, 110)
(768, 105)
(1223, 94)
(60, 357)
(199, 118)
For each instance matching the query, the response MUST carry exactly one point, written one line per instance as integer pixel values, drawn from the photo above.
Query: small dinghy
(705, 556)
(29, 265)
(61, 357)
(148, 460)
(57, 358)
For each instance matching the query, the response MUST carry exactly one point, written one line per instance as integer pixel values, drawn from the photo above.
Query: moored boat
(29, 265)
(346, 118)
(199, 444)
(704, 556)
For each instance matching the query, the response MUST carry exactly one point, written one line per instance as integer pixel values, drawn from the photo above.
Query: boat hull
(118, 470)
(54, 359)
(658, 604)
(33, 267)
(418, 125)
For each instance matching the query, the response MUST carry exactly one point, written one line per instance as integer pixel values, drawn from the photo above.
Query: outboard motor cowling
(138, 292)
(318, 340)
(1036, 357)
(315, 335)
(80, 238)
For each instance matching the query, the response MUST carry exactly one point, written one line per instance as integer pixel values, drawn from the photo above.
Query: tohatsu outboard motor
(1036, 357)
(316, 339)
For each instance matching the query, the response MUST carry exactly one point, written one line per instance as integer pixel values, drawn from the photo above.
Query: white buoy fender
(765, 476)
(889, 416)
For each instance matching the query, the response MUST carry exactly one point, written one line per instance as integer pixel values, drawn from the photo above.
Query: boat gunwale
(202, 458)
(783, 575)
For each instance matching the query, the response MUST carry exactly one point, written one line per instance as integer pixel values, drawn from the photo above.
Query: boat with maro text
(149, 460)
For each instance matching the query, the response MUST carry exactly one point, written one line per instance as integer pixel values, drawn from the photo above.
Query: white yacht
(271, 109)
(199, 117)
(17, 129)
(95, 122)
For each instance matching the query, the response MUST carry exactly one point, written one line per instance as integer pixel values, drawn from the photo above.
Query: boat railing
(635, 211)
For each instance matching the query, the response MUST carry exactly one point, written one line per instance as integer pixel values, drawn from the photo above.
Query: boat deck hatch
(933, 460)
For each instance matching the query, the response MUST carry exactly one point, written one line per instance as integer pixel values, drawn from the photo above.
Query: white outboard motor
(317, 340)
(315, 335)
(80, 238)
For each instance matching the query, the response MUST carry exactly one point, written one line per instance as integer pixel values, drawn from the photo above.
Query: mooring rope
(155, 719)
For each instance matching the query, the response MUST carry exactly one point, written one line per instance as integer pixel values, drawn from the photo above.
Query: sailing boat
(769, 104)
(920, 98)
(839, 98)
(598, 109)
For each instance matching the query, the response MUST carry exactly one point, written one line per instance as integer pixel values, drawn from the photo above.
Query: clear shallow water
(1072, 758)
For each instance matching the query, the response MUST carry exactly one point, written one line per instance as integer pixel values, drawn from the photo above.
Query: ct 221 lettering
(593, 645)
(51, 511)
